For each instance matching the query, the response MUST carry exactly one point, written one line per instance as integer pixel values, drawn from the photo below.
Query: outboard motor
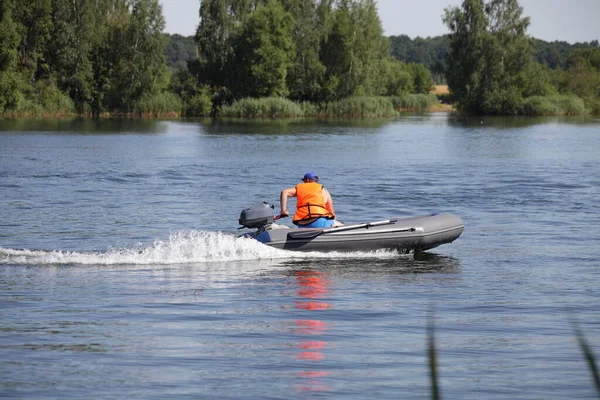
(259, 216)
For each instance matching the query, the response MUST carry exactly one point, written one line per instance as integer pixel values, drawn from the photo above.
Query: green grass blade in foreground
(432, 356)
(589, 356)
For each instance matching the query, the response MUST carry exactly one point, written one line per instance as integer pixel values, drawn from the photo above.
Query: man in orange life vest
(314, 206)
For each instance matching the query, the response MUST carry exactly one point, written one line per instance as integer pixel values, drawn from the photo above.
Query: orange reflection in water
(312, 288)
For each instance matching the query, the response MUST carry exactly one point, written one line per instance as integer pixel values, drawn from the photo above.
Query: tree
(77, 28)
(490, 55)
(264, 52)
(582, 77)
(179, 50)
(422, 81)
(398, 80)
(9, 41)
(138, 46)
(312, 21)
(355, 51)
(465, 62)
(33, 27)
(217, 33)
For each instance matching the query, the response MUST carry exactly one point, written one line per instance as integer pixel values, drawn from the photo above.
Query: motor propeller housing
(257, 216)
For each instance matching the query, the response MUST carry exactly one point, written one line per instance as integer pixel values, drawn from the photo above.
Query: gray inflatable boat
(403, 234)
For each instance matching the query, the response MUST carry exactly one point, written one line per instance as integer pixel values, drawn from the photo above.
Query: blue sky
(565, 20)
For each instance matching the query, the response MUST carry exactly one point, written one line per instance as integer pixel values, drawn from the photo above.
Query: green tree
(138, 47)
(264, 52)
(216, 36)
(355, 51)
(9, 41)
(179, 50)
(465, 61)
(399, 81)
(33, 27)
(582, 77)
(422, 81)
(78, 27)
(490, 56)
(311, 25)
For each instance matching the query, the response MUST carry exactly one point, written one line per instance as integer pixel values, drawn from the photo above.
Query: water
(121, 276)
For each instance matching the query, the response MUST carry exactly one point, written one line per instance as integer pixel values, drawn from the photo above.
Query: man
(314, 207)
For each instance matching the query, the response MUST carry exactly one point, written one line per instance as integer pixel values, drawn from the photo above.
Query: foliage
(363, 107)
(33, 25)
(489, 57)
(552, 105)
(140, 68)
(399, 80)
(216, 36)
(9, 39)
(414, 101)
(355, 51)
(196, 99)
(158, 105)
(179, 50)
(329, 56)
(307, 49)
(97, 54)
(430, 52)
(554, 55)
(422, 81)
(582, 78)
(199, 105)
(264, 51)
(10, 94)
(271, 107)
(306, 72)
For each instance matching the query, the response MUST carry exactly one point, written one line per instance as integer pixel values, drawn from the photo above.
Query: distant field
(440, 89)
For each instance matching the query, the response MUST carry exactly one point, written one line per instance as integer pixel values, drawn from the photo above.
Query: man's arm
(285, 193)
(328, 201)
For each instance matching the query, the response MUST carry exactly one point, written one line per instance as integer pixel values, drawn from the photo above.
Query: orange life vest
(310, 202)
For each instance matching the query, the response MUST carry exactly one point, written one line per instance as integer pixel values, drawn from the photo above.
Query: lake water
(121, 275)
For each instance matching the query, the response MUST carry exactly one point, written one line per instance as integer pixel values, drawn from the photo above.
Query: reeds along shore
(169, 105)
(361, 107)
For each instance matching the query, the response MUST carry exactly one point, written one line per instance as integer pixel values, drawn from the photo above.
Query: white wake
(180, 248)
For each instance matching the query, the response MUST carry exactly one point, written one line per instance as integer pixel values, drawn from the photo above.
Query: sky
(564, 20)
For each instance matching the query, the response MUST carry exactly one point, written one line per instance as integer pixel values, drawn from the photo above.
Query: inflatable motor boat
(401, 234)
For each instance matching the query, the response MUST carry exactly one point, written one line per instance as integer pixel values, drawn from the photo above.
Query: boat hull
(403, 234)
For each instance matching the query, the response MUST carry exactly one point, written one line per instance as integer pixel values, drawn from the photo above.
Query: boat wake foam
(180, 248)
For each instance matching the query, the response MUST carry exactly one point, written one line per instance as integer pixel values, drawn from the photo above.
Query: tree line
(88, 57)
(433, 51)
(111, 56)
(490, 67)
(430, 51)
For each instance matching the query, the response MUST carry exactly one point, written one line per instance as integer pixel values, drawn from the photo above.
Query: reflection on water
(465, 121)
(233, 126)
(312, 292)
(83, 126)
(418, 263)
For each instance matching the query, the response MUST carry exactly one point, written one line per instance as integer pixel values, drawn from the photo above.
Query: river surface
(121, 275)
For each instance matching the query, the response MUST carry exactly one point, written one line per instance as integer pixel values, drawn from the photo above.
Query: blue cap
(311, 176)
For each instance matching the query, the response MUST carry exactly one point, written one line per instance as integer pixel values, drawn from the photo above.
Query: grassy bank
(353, 107)
(170, 105)
(553, 105)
